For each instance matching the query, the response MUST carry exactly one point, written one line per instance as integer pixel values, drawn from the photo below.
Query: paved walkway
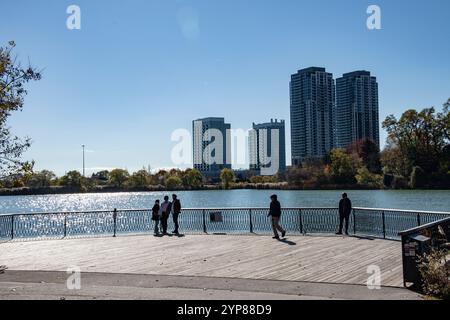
(50, 285)
(299, 260)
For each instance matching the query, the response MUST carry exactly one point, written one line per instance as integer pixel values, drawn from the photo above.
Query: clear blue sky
(139, 69)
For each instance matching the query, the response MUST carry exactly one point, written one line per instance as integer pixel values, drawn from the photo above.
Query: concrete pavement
(38, 285)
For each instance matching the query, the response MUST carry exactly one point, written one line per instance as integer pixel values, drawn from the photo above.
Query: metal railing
(377, 223)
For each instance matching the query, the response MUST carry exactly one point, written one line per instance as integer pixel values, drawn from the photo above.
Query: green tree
(13, 79)
(192, 178)
(160, 177)
(101, 175)
(394, 162)
(420, 136)
(72, 179)
(227, 177)
(173, 182)
(343, 167)
(118, 177)
(41, 179)
(418, 178)
(139, 179)
(366, 178)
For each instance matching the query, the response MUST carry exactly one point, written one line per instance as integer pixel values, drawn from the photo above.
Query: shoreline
(65, 190)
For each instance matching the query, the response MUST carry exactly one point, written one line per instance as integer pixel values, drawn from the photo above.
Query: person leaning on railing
(275, 213)
(345, 209)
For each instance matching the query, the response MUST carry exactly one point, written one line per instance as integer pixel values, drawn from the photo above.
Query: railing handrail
(229, 208)
(57, 212)
(422, 227)
(402, 211)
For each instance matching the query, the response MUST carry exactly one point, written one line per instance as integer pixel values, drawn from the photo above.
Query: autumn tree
(369, 152)
(13, 78)
(192, 178)
(118, 177)
(419, 141)
(227, 177)
(343, 166)
(140, 179)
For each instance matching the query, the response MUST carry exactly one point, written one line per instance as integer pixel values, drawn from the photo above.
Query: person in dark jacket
(176, 209)
(275, 213)
(345, 209)
(166, 206)
(155, 216)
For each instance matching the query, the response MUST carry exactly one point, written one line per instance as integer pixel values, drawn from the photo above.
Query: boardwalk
(329, 259)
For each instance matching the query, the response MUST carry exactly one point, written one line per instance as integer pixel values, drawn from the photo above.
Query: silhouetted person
(164, 213)
(275, 212)
(155, 216)
(345, 209)
(176, 209)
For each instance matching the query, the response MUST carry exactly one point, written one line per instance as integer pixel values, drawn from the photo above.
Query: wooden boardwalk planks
(303, 258)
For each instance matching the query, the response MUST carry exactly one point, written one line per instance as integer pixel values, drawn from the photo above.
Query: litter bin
(414, 247)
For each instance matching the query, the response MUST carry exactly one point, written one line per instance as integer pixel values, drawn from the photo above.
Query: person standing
(164, 213)
(275, 213)
(156, 217)
(345, 209)
(176, 209)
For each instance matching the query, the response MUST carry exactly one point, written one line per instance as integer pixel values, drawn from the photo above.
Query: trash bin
(414, 247)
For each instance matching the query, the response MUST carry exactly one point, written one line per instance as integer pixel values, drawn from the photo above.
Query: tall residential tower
(211, 146)
(267, 147)
(356, 113)
(312, 94)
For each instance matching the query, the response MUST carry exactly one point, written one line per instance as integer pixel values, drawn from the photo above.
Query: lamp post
(84, 175)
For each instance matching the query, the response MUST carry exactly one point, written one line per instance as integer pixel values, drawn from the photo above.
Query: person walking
(156, 217)
(275, 213)
(176, 209)
(345, 209)
(164, 213)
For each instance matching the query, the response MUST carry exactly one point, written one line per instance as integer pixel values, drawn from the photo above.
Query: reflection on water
(412, 200)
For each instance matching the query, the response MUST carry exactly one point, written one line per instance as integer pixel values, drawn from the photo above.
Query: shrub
(173, 182)
(366, 178)
(435, 272)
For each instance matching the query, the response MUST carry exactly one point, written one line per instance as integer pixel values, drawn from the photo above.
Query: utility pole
(84, 173)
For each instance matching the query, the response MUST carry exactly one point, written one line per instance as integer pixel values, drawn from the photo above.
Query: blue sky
(138, 70)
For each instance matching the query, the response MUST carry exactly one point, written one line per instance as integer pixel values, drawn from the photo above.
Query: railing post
(115, 221)
(384, 225)
(418, 220)
(65, 225)
(301, 220)
(12, 227)
(204, 221)
(354, 222)
(251, 221)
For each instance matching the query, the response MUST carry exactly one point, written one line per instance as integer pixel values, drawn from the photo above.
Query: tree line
(417, 154)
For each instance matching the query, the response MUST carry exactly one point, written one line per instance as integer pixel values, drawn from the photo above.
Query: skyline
(105, 85)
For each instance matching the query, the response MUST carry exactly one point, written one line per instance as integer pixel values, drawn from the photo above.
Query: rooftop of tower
(357, 73)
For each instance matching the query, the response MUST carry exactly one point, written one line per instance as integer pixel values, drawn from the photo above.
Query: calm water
(412, 200)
